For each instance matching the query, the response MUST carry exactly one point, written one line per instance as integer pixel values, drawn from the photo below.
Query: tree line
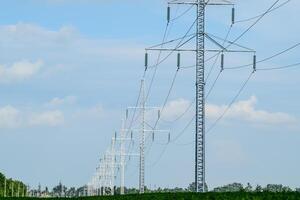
(11, 188)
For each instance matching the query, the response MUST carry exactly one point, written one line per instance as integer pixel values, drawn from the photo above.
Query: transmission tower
(142, 130)
(123, 139)
(200, 51)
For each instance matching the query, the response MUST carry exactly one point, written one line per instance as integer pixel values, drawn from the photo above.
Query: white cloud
(65, 44)
(92, 112)
(50, 118)
(19, 71)
(22, 34)
(240, 111)
(246, 111)
(175, 108)
(61, 101)
(9, 117)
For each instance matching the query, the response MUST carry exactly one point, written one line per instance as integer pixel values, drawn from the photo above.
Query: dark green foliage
(194, 196)
(9, 187)
(234, 187)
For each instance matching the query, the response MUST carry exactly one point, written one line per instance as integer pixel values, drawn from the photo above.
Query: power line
(183, 13)
(184, 130)
(157, 63)
(243, 86)
(213, 85)
(238, 38)
(166, 33)
(167, 98)
(278, 68)
(218, 55)
(171, 41)
(267, 58)
(231, 103)
(172, 141)
(176, 47)
(159, 157)
(181, 115)
(165, 58)
(175, 76)
(250, 27)
(257, 16)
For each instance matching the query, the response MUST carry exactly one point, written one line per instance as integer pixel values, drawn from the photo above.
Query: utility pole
(200, 51)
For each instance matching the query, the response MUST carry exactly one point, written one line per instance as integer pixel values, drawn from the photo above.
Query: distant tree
(132, 191)
(297, 190)
(59, 190)
(248, 188)
(273, 188)
(2, 184)
(71, 192)
(234, 187)
(159, 189)
(177, 189)
(192, 187)
(258, 188)
(286, 189)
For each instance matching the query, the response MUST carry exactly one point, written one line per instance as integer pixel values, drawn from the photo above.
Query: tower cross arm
(205, 3)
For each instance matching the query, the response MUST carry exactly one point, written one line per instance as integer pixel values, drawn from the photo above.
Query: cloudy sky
(69, 69)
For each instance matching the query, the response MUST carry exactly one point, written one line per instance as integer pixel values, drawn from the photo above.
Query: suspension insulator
(158, 114)
(233, 15)
(153, 137)
(115, 135)
(131, 135)
(168, 14)
(222, 62)
(254, 63)
(169, 138)
(146, 61)
(178, 61)
(126, 113)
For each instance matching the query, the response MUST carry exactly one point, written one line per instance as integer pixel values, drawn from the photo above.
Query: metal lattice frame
(142, 143)
(200, 101)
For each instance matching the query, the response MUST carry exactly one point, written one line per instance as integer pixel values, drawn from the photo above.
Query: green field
(193, 196)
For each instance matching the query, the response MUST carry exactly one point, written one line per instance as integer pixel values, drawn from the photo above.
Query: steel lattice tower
(142, 143)
(200, 50)
(200, 99)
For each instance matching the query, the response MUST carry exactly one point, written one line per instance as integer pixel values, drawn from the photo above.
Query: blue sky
(69, 68)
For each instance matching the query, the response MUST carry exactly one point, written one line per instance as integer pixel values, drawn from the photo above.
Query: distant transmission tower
(143, 132)
(200, 51)
(123, 154)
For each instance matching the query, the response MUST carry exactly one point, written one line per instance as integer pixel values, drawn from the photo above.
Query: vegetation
(194, 196)
(234, 191)
(11, 188)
